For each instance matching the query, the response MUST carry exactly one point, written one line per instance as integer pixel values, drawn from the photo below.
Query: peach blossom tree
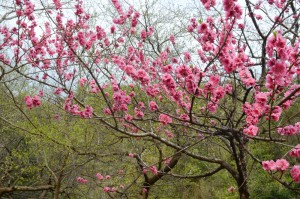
(231, 86)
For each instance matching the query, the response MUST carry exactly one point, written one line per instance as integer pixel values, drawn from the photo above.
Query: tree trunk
(57, 188)
(243, 185)
(243, 191)
(238, 149)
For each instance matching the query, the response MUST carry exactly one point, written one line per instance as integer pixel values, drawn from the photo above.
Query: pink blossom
(295, 152)
(18, 2)
(276, 113)
(57, 4)
(150, 31)
(208, 3)
(82, 81)
(246, 77)
(187, 56)
(153, 106)
(128, 117)
(134, 20)
(241, 26)
(278, 69)
(212, 107)
(200, 136)
(41, 93)
(99, 176)
(287, 104)
(219, 93)
(106, 42)
(232, 9)
(172, 39)
(29, 8)
(184, 117)
(112, 29)
(145, 190)
(169, 134)
(269, 82)
(32, 102)
(58, 91)
(141, 105)
(107, 177)
(167, 161)
(132, 30)
(131, 155)
(107, 111)
(258, 17)
(36, 101)
(193, 22)
(202, 28)
(138, 113)
(253, 112)
(121, 40)
(282, 164)
(297, 126)
(143, 76)
(251, 130)
(106, 189)
(183, 71)
(165, 119)
(269, 165)
(168, 81)
(87, 113)
(261, 98)
(228, 88)
(287, 130)
(28, 102)
(145, 170)
(153, 169)
(295, 173)
(143, 35)
(81, 180)
(214, 80)
(167, 68)
(190, 28)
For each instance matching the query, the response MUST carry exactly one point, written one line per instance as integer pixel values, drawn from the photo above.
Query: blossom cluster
(290, 129)
(99, 176)
(279, 165)
(163, 76)
(165, 119)
(295, 152)
(75, 109)
(32, 102)
(81, 180)
(295, 173)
